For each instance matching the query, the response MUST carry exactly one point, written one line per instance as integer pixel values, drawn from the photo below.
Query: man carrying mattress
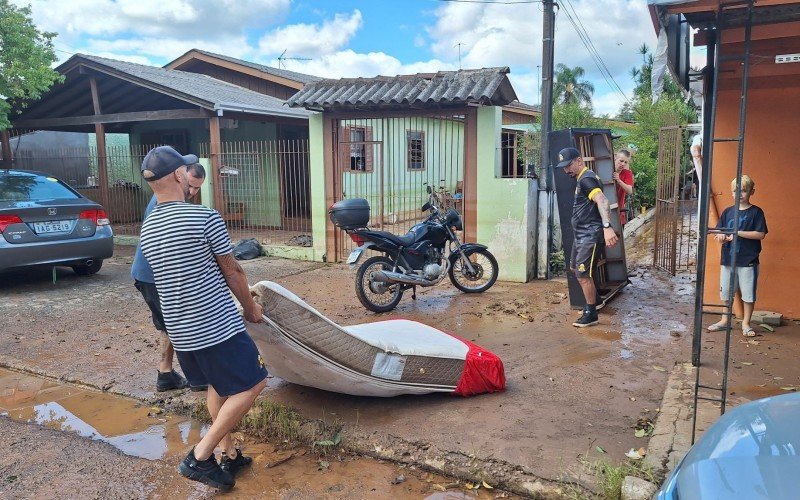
(189, 249)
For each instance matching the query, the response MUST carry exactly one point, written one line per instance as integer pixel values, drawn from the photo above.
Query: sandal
(748, 332)
(716, 327)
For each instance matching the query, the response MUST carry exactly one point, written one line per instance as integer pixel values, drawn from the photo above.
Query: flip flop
(748, 332)
(716, 327)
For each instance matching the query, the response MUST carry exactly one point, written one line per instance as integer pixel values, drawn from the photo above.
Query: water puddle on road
(141, 431)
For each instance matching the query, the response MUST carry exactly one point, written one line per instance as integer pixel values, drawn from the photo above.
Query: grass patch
(608, 480)
(610, 477)
(270, 419)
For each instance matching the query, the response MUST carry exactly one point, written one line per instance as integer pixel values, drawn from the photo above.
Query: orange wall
(772, 159)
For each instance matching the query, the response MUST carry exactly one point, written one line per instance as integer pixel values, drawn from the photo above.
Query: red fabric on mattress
(483, 371)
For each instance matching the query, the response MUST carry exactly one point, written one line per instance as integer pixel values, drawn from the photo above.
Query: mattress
(384, 358)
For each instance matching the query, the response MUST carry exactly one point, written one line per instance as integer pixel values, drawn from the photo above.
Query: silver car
(45, 222)
(751, 452)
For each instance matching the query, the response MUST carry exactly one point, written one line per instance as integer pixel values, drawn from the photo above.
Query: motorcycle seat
(404, 241)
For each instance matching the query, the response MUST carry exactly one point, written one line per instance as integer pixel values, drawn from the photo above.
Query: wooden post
(216, 159)
(102, 158)
(471, 175)
(332, 180)
(8, 160)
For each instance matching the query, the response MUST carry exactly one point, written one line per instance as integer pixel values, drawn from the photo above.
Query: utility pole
(545, 198)
(539, 85)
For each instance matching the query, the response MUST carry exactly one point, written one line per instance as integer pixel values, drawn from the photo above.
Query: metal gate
(675, 236)
(391, 160)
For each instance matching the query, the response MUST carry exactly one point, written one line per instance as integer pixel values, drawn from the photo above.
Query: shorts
(746, 282)
(150, 296)
(230, 367)
(585, 252)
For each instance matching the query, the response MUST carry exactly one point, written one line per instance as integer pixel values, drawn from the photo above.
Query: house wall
(503, 208)
(770, 159)
(403, 189)
(260, 85)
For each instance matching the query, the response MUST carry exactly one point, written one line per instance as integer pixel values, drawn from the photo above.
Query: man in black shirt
(591, 227)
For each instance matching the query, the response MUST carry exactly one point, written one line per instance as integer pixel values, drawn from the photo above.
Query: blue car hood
(753, 451)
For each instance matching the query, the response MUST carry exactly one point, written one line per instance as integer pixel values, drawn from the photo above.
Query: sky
(363, 38)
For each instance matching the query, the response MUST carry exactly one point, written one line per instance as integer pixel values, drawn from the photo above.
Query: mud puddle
(146, 432)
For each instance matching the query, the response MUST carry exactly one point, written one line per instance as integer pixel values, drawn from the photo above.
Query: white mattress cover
(401, 336)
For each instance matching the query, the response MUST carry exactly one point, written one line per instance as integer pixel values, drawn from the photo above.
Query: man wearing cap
(591, 228)
(167, 378)
(189, 250)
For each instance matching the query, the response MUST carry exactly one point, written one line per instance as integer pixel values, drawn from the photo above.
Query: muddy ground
(570, 392)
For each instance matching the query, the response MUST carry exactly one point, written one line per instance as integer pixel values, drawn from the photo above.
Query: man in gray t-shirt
(141, 272)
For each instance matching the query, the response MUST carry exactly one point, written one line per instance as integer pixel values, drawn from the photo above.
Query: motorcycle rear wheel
(375, 296)
(485, 272)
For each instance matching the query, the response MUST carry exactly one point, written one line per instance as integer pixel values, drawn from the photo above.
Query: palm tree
(569, 87)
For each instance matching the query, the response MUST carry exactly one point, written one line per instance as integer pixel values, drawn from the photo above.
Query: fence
(265, 190)
(392, 160)
(265, 185)
(676, 206)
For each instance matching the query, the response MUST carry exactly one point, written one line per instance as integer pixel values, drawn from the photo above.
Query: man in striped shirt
(190, 252)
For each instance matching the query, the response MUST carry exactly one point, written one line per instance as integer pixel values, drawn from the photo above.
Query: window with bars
(416, 149)
(512, 164)
(358, 153)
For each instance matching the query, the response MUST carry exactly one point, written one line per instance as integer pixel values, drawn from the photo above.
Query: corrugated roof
(283, 73)
(202, 90)
(488, 86)
(523, 106)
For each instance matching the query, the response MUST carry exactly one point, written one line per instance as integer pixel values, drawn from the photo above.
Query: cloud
(311, 39)
(511, 35)
(350, 64)
(162, 19)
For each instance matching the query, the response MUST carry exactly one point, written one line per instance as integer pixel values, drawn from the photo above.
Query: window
(512, 163)
(358, 151)
(416, 149)
(32, 187)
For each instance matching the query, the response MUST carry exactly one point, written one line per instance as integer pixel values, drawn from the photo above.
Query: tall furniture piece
(611, 271)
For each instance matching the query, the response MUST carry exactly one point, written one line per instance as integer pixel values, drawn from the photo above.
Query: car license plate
(354, 255)
(53, 226)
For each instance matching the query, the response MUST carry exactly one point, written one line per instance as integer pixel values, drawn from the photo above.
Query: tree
(649, 117)
(569, 88)
(574, 115)
(26, 57)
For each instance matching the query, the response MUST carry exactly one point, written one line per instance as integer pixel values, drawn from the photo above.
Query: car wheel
(84, 270)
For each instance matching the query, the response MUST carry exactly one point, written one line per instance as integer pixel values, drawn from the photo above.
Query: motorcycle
(416, 259)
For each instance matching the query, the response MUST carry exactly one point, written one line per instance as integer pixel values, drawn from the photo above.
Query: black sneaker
(234, 465)
(206, 471)
(588, 318)
(170, 381)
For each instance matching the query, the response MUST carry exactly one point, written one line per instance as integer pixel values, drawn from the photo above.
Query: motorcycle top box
(350, 214)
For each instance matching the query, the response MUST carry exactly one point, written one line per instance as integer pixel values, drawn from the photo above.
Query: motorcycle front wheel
(483, 274)
(376, 296)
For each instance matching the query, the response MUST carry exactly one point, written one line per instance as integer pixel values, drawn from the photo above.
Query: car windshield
(32, 187)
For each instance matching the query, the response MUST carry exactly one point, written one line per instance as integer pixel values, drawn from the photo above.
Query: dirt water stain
(277, 472)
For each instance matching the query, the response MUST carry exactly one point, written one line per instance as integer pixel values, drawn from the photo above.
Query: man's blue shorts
(230, 367)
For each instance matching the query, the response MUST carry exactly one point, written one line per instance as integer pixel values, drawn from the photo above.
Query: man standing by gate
(591, 228)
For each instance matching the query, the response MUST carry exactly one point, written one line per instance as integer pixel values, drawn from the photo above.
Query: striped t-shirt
(180, 241)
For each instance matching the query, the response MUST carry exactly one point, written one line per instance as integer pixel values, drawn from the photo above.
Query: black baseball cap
(566, 155)
(162, 161)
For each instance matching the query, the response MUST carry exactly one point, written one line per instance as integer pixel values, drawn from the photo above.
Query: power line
(502, 2)
(587, 42)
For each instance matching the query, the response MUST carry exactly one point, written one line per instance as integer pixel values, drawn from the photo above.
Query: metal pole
(704, 195)
(545, 204)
